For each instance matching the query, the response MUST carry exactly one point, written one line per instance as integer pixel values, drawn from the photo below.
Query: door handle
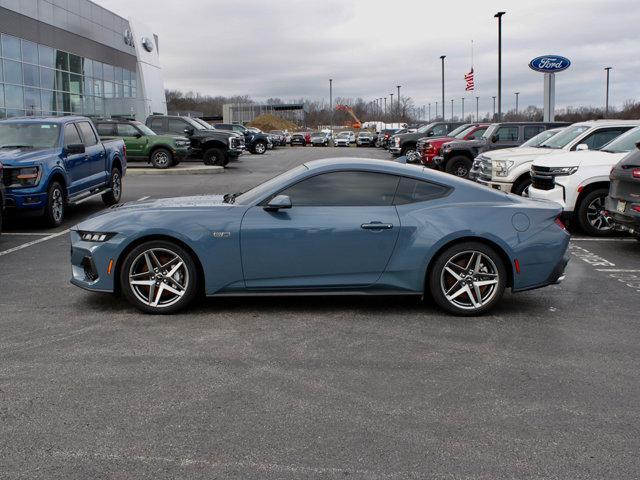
(376, 226)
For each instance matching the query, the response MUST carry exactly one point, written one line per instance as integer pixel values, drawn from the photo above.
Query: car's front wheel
(159, 277)
(592, 215)
(459, 166)
(214, 156)
(468, 279)
(161, 158)
(56, 205)
(259, 148)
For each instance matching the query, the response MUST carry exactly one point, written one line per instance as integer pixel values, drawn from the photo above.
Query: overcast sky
(290, 49)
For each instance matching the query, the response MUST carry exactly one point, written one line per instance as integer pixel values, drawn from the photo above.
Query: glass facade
(40, 80)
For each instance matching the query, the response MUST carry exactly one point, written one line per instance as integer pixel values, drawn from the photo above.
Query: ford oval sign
(549, 64)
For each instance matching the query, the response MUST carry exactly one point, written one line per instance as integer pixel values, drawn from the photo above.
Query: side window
(344, 189)
(126, 130)
(222, 126)
(478, 133)
(507, 134)
(531, 131)
(601, 137)
(106, 129)
(87, 133)
(439, 130)
(411, 190)
(71, 135)
(177, 126)
(238, 128)
(157, 125)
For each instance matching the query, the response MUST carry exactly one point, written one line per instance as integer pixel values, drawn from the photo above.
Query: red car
(430, 147)
(307, 138)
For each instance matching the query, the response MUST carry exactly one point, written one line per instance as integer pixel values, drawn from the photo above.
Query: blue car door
(340, 232)
(96, 160)
(76, 164)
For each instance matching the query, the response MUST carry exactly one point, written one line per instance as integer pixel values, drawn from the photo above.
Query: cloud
(290, 49)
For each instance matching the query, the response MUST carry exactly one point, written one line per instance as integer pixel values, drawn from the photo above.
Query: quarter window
(344, 189)
(411, 190)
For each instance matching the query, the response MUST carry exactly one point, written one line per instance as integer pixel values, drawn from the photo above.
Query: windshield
(277, 132)
(540, 138)
(28, 135)
(203, 123)
(460, 132)
(624, 143)
(193, 123)
(565, 137)
(490, 131)
(425, 128)
(259, 191)
(143, 128)
(343, 135)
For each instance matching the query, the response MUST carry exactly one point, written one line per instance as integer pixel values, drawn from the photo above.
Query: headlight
(446, 147)
(23, 177)
(98, 237)
(396, 141)
(563, 170)
(501, 167)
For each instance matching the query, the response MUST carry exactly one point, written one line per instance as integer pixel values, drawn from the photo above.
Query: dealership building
(61, 57)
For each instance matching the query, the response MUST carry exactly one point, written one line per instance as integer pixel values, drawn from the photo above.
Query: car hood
(24, 156)
(576, 159)
(520, 153)
(466, 143)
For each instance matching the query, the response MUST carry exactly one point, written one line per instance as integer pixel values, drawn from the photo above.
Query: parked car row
(571, 164)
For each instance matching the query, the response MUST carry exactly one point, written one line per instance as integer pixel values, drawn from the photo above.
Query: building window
(12, 72)
(13, 97)
(31, 75)
(10, 47)
(47, 56)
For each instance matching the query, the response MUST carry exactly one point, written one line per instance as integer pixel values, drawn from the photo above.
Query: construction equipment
(357, 124)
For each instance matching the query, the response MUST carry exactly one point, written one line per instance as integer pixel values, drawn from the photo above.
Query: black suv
(257, 143)
(405, 144)
(623, 202)
(456, 157)
(212, 146)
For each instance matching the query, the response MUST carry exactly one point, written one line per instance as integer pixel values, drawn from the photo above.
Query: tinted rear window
(411, 190)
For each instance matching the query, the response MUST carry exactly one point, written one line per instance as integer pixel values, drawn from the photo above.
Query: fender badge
(221, 234)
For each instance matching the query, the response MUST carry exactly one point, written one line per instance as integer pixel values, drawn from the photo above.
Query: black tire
(407, 149)
(161, 158)
(459, 166)
(214, 156)
(114, 195)
(186, 277)
(440, 279)
(56, 205)
(521, 186)
(590, 215)
(259, 148)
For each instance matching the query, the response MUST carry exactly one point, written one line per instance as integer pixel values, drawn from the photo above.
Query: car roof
(58, 120)
(608, 122)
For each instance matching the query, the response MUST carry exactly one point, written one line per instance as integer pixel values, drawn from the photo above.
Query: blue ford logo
(549, 63)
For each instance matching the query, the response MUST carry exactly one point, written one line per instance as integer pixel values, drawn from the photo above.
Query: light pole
(517, 93)
(477, 109)
(462, 119)
(499, 17)
(331, 103)
(494, 108)
(398, 101)
(606, 98)
(452, 109)
(391, 105)
(385, 107)
(436, 110)
(442, 57)
(429, 113)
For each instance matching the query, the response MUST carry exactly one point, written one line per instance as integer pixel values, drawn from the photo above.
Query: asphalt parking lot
(547, 386)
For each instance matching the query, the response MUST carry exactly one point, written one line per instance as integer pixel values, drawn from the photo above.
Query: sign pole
(549, 96)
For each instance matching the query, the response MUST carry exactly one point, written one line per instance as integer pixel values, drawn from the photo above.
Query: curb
(179, 170)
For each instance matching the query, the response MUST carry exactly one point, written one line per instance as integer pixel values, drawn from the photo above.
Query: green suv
(162, 151)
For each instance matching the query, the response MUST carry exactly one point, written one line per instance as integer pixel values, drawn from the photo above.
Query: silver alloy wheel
(161, 158)
(158, 277)
(469, 280)
(116, 185)
(596, 215)
(57, 204)
(260, 147)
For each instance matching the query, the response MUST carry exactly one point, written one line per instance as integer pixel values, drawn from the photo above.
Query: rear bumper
(556, 276)
(628, 220)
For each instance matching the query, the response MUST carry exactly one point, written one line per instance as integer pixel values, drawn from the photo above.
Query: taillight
(560, 223)
(636, 208)
(124, 151)
(636, 173)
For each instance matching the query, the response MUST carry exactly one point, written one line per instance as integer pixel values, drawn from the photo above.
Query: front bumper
(503, 187)
(90, 263)
(180, 153)
(556, 194)
(25, 198)
(394, 149)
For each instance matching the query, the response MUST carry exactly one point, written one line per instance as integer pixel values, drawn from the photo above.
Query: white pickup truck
(508, 170)
(579, 181)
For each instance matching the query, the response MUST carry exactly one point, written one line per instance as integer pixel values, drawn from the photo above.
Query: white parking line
(616, 270)
(26, 234)
(583, 239)
(29, 244)
(141, 199)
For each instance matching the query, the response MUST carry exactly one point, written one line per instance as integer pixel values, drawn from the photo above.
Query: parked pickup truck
(457, 156)
(52, 162)
(429, 147)
(579, 181)
(161, 151)
(256, 142)
(508, 169)
(214, 147)
(405, 143)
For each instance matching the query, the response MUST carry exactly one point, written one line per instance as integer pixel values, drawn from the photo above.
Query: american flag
(469, 79)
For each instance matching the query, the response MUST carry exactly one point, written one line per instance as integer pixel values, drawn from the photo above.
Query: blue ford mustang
(326, 227)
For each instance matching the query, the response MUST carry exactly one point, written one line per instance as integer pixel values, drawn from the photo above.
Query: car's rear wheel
(159, 277)
(214, 156)
(592, 215)
(56, 205)
(161, 158)
(468, 279)
(459, 166)
(114, 195)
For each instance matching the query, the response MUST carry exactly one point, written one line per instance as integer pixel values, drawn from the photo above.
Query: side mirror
(278, 202)
(188, 131)
(429, 134)
(494, 138)
(582, 146)
(74, 149)
(138, 135)
(472, 137)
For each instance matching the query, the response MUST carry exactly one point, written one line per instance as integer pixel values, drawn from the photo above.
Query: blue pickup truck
(52, 162)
